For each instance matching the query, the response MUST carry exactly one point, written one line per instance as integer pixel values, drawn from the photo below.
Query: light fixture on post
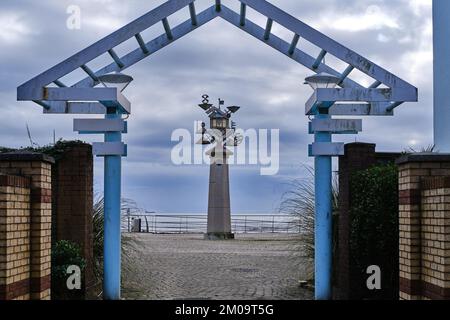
(116, 80)
(323, 194)
(112, 190)
(322, 81)
(323, 149)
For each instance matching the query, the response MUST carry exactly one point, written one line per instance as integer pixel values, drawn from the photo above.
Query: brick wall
(69, 206)
(357, 156)
(424, 184)
(72, 179)
(15, 217)
(37, 168)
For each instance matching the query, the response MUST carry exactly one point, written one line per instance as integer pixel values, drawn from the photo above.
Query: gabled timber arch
(323, 104)
(71, 100)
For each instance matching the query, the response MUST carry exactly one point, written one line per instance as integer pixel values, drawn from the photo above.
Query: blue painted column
(441, 39)
(112, 237)
(323, 219)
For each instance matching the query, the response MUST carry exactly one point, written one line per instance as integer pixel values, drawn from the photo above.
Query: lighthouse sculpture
(221, 135)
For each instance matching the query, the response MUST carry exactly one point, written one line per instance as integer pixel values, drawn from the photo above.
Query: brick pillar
(72, 178)
(423, 225)
(358, 156)
(38, 168)
(15, 220)
(435, 238)
(409, 227)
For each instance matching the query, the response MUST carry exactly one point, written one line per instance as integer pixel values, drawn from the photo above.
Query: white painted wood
(326, 149)
(99, 125)
(109, 149)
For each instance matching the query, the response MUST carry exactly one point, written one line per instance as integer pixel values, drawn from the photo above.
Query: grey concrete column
(219, 213)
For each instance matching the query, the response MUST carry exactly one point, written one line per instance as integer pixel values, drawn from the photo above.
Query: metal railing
(185, 224)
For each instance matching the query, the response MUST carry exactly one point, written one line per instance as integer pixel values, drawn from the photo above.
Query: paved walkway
(251, 267)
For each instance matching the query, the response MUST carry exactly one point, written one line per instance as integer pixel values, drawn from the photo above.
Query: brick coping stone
(436, 183)
(14, 181)
(26, 156)
(424, 157)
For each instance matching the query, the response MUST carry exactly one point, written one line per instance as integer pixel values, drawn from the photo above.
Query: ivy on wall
(56, 150)
(374, 233)
(65, 254)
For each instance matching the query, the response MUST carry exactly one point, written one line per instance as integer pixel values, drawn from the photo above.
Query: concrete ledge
(26, 156)
(424, 157)
(218, 236)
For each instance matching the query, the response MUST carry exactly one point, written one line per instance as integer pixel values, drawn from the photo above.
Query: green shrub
(65, 254)
(374, 233)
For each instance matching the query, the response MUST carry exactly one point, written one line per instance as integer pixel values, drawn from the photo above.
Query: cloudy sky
(222, 61)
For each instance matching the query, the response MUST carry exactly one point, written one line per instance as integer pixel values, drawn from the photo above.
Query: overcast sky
(221, 61)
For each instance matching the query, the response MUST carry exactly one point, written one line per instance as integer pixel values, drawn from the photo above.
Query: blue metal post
(112, 187)
(323, 219)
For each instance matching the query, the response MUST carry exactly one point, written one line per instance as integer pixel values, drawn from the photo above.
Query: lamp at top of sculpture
(220, 121)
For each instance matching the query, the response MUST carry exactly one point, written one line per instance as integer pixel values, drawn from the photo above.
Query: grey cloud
(219, 60)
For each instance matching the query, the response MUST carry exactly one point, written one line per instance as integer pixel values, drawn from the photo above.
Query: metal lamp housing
(116, 80)
(322, 81)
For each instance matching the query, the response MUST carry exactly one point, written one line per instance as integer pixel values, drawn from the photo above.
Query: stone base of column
(219, 236)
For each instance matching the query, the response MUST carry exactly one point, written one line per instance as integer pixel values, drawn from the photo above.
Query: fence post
(128, 214)
(273, 224)
(245, 225)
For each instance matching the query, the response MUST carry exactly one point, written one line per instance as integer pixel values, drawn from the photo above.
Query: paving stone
(257, 266)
